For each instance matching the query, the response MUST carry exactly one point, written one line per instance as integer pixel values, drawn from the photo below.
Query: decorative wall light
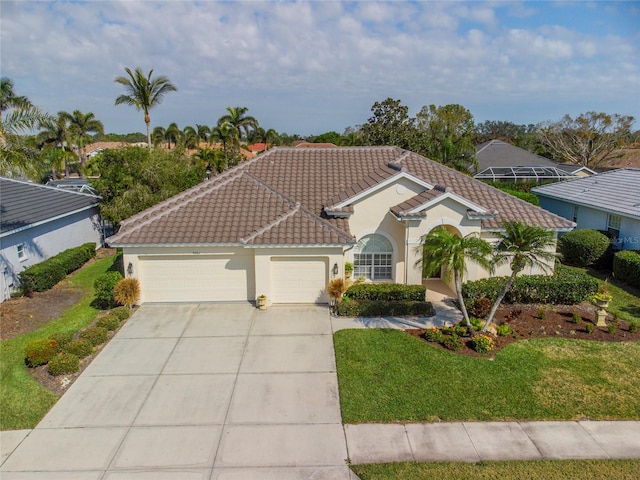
(335, 269)
(130, 269)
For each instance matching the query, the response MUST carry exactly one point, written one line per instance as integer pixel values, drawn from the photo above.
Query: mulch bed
(526, 323)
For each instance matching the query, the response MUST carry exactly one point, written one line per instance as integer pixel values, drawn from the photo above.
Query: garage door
(299, 279)
(197, 278)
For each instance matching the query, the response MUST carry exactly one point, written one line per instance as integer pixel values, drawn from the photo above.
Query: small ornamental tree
(127, 292)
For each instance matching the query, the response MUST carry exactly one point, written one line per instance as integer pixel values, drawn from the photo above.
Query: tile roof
(614, 191)
(23, 204)
(288, 196)
(496, 153)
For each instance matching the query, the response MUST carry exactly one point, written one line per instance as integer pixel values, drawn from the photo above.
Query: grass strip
(389, 376)
(24, 401)
(514, 470)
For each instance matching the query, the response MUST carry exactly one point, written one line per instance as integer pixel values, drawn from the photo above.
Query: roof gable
(496, 153)
(24, 205)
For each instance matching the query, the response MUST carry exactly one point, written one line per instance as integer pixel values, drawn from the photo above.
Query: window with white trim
(613, 225)
(373, 258)
(22, 252)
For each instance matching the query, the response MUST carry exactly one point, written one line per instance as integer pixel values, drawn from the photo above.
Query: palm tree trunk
(465, 314)
(498, 301)
(148, 133)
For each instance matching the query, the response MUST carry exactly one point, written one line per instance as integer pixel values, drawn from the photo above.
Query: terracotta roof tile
(279, 197)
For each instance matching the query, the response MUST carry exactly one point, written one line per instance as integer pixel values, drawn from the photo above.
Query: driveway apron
(208, 391)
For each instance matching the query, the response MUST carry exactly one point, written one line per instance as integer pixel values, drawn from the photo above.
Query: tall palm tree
(172, 134)
(521, 246)
(203, 133)
(444, 251)
(80, 125)
(56, 133)
(159, 135)
(16, 154)
(236, 117)
(143, 92)
(189, 137)
(229, 136)
(9, 99)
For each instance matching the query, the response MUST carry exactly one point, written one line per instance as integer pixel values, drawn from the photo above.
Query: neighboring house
(501, 161)
(38, 222)
(80, 185)
(607, 201)
(94, 149)
(284, 223)
(577, 170)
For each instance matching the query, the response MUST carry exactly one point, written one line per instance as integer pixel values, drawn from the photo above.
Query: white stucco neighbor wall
(43, 242)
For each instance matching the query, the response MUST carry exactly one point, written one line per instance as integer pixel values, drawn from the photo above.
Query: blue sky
(310, 67)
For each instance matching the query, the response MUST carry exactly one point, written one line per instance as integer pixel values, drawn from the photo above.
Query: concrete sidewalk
(481, 441)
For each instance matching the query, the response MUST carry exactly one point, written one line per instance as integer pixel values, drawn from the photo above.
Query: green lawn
(538, 470)
(626, 299)
(24, 401)
(390, 376)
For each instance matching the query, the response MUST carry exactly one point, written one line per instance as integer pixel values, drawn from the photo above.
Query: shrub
(576, 318)
(433, 335)
(62, 338)
(453, 342)
(127, 292)
(110, 322)
(583, 247)
(39, 352)
(481, 307)
(95, 335)
(80, 347)
(104, 286)
(542, 314)
(612, 328)
(483, 343)
(63, 363)
(476, 323)
(336, 288)
(374, 308)
(44, 275)
(588, 327)
(121, 313)
(387, 292)
(633, 328)
(626, 267)
(503, 330)
(564, 287)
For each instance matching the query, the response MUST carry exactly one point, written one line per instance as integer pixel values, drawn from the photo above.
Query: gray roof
(24, 204)
(496, 153)
(616, 191)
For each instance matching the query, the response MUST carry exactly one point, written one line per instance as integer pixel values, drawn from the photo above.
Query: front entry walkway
(198, 392)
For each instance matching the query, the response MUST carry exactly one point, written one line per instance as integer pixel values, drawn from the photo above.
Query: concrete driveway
(198, 392)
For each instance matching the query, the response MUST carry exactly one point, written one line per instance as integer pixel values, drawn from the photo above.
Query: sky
(311, 67)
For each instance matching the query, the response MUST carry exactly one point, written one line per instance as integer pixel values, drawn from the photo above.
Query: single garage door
(197, 278)
(299, 279)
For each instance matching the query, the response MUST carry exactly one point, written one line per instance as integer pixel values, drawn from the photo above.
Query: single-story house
(608, 201)
(501, 161)
(284, 223)
(38, 222)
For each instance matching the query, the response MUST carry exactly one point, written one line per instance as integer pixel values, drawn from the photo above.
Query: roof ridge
(275, 223)
(270, 189)
(323, 223)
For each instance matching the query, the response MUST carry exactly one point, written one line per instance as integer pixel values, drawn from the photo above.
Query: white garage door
(299, 279)
(196, 278)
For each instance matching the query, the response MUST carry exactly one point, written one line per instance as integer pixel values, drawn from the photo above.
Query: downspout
(406, 251)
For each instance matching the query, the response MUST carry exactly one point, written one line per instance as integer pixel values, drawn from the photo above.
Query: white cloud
(311, 66)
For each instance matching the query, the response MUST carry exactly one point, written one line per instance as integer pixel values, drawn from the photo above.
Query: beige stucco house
(284, 223)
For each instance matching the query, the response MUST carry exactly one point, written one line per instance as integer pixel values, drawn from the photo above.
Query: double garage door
(197, 278)
(217, 278)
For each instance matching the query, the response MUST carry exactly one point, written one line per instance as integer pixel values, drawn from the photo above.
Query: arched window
(373, 258)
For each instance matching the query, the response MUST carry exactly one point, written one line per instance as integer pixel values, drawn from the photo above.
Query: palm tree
(56, 133)
(203, 133)
(80, 125)
(236, 117)
(229, 136)
(521, 246)
(172, 134)
(16, 155)
(9, 99)
(159, 135)
(444, 251)
(144, 92)
(189, 137)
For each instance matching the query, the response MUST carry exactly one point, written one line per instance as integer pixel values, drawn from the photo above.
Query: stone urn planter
(261, 302)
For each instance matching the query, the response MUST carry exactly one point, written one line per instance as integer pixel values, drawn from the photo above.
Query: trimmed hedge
(378, 308)
(80, 347)
(583, 248)
(63, 363)
(95, 335)
(44, 275)
(563, 288)
(626, 267)
(386, 292)
(39, 352)
(103, 287)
